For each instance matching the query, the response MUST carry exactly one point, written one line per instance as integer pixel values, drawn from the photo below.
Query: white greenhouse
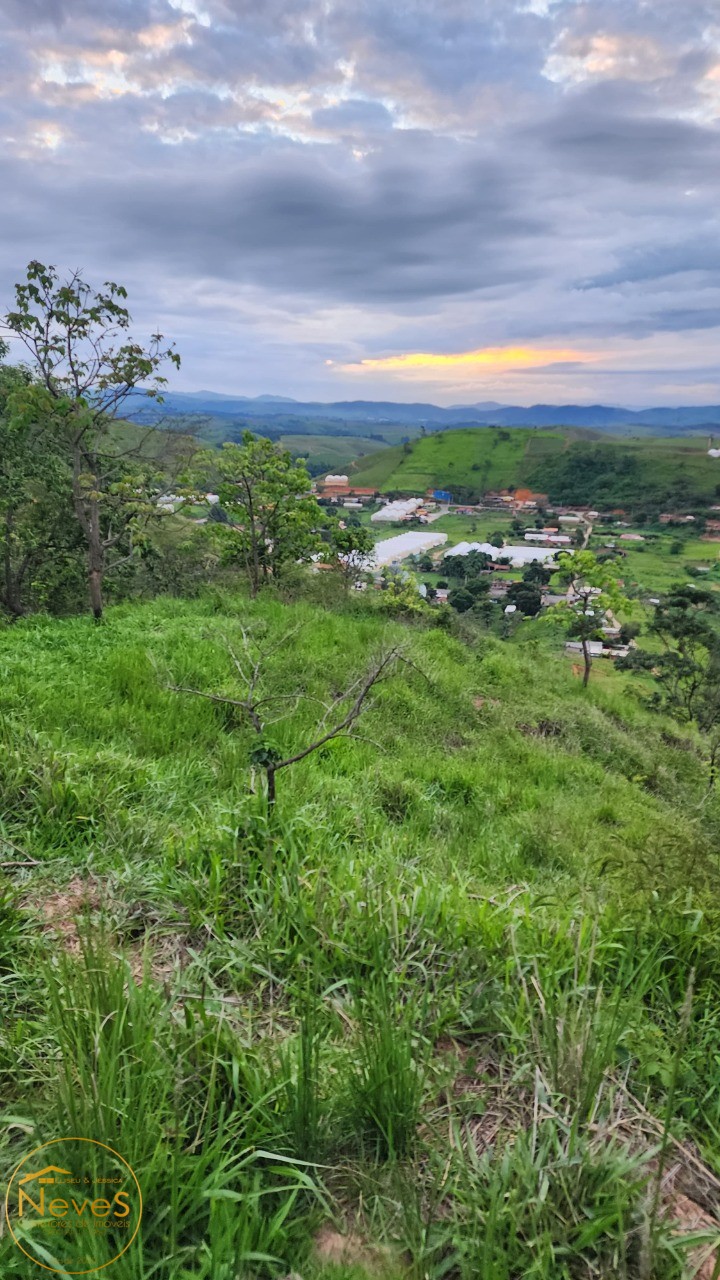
(518, 556)
(390, 550)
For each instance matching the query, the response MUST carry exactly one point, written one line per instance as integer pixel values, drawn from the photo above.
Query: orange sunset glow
(491, 358)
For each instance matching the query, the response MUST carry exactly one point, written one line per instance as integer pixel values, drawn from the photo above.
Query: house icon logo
(45, 1177)
(73, 1206)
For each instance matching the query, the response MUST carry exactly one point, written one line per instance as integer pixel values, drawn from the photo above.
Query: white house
(549, 539)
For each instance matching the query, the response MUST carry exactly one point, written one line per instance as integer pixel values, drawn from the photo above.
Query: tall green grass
(435, 999)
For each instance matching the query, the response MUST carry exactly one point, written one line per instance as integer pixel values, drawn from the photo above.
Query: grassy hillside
(215, 428)
(426, 1015)
(478, 457)
(568, 465)
(166, 447)
(331, 453)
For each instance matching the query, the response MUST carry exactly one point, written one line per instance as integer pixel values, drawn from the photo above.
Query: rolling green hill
(478, 458)
(151, 443)
(570, 466)
(330, 453)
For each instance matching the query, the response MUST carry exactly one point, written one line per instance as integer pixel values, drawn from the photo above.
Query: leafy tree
(477, 587)
(537, 574)
(476, 562)
(400, 596)
(272, 516)
(348, 550)
(592, 591)
(85, 367)
(687, 670)
(497, 539)
(629, 631)
(461, 600)
(485, 610)
(40, 546)
(526, 596)
(677, 546)
(455, 566)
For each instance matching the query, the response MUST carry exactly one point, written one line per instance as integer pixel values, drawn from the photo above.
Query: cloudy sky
(456, 200)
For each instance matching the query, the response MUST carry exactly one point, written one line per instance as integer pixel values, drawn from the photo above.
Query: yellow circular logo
(73, 1206)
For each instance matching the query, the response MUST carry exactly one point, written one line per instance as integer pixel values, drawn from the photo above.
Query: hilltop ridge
(598, 416)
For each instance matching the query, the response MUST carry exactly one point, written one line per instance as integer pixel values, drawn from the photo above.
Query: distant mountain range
(378, 413)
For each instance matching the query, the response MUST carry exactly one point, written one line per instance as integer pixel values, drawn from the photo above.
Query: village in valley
(500, 555)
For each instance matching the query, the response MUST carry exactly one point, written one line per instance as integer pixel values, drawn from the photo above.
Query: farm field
(458, 528)
(475, 528)
(654, 566)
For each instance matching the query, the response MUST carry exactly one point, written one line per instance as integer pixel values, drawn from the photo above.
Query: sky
(445, 200)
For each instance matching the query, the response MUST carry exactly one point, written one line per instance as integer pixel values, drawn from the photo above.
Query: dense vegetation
(639, 475)
(82, 494)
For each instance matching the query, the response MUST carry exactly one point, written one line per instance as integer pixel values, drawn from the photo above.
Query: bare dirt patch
(88, 903)
(64, 910)
(351, 1250)
(691, 1218)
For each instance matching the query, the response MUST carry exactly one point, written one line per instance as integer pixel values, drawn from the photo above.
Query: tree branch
(212, 697)
(373, 678)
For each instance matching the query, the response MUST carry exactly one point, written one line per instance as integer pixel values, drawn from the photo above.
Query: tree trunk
(270, 774)
(712, 773)
(253, 569)
(96, 599)
(12, 596)
(87, 511)
(588, 663)
(96, 558)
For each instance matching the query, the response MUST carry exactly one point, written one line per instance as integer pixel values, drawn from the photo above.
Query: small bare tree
(261, 708)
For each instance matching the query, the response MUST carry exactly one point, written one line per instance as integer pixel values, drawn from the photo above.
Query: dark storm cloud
(375, 233)
(676, 319)
(529, 169)
(604, 141)
(57, 13)
(656, 262)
